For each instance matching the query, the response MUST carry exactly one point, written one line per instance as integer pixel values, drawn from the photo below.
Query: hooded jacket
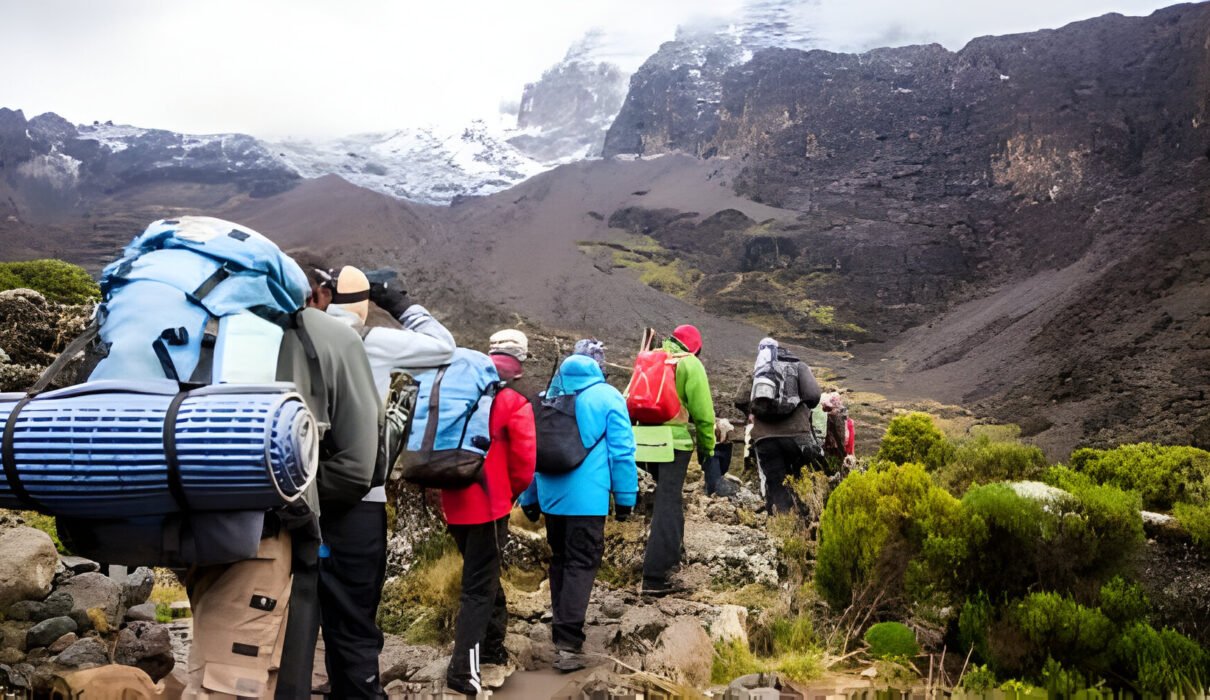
(693, 389)
(609, 467)
(422, 342)
(799, 422)
(508, 468)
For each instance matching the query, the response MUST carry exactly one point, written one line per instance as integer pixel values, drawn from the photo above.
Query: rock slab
(27, 565)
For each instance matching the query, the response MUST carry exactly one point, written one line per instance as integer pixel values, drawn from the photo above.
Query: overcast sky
(316, 68)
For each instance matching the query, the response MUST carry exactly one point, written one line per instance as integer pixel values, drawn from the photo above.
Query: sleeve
(743, 395)
(619, 439)
(808, 388)
(352, 440)
(423, 341)
(700, 404)
(523, 447)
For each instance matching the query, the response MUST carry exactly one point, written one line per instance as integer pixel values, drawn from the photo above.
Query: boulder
(27, 565)
(47, 631)
(79, 565)
(730, 625)
(144, 612)
(644, 622)
(138, 586)
(524, 605)
(683, 653)
(57, 604)
(96, 591)
(60, 644)
(400, 660)
(147, 646)
(13, 633)
(432, 671)
(520, 651)
(15, 677)
(85, 653)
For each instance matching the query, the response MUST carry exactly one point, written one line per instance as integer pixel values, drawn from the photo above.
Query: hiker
(239, 649)
(477, 518)
(576, 502)
(353, 570)
(782, 433)
(668, 515)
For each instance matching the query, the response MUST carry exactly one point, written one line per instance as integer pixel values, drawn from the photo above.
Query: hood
(344, 315)
(579, 372)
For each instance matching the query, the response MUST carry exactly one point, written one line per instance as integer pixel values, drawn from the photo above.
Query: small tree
(914, 437)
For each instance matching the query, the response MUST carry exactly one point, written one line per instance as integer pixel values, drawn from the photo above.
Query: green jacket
(693, 389)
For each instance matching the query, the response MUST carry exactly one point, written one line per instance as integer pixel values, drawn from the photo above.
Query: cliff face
(934, 187)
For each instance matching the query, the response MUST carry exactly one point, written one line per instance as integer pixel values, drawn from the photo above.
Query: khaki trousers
(239, 616)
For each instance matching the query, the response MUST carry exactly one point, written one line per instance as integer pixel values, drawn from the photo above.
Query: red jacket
(508, 469)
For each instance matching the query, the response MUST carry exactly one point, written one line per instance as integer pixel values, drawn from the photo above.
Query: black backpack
(775, 388)
(560, 449)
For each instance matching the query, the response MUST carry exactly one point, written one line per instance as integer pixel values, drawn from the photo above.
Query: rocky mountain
(1038, 188)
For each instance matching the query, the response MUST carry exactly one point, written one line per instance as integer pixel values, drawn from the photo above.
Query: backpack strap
(8, 454)
(204, 372)
(73, 348)
(175, 487)
(313, 365)
(430, 427)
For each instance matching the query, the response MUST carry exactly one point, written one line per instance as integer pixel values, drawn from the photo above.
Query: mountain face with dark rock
(934, 182)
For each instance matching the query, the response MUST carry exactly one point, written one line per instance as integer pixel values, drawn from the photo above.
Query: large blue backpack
(451, 432)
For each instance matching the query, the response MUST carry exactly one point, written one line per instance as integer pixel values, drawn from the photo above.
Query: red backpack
(651, 397)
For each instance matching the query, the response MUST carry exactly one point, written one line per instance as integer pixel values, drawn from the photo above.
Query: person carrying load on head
(585, 455)
(779, 397)
(353, 568)
(669, 400)
(477, 518)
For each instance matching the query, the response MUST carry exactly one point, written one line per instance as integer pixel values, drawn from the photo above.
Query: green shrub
(422, 605)
(801, 666)
(1196, 521)
(973, 623)
(1056, 627)
(792, 635)
(979, 679)
(1124, 602)
(1019, 544)
(982, 460)
(1065, 478)
(884, 527)
(1163, 661)
(891, 640)
(1163, 475)
(58, 280)
(732, 659)
(915, 438)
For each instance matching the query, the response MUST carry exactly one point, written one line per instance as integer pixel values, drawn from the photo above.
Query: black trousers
(302, 621)
(350, 587)
(482, 615)
(780, 457)
(577, 543)
(667, 519)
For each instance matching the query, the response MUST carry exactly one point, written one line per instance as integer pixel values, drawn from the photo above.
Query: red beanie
(690, 337)
(507, 366)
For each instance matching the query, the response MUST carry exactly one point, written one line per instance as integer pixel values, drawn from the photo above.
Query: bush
(57, 280)
(891, 640)
(973, 623)
(1047, 626)
(884, 525)
(793, 635)
(732, 659)
(1124, 602)
(981, 460)
(1196, 521)
(1163, 661)
(1163, 475)
(1019, 544)
(979, 679)
(423, 604)
(914, 438)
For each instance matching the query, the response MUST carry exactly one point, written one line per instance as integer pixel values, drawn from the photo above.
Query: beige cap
(353, 292)
(510, 341)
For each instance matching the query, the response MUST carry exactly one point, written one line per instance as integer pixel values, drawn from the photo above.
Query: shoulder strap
(9, 457)
(73, 348)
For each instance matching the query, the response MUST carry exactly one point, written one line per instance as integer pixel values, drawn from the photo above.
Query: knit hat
(507, 366)
(690, 337)
(352, 292)
(591, 347)
(510, 341)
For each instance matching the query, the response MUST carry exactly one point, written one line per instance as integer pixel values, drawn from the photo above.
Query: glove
(622, 513)
(391, 297)
(532, 511)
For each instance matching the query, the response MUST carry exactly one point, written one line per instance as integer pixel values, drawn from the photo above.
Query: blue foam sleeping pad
(96, 450)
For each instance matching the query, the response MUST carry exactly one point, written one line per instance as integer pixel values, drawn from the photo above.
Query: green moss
(914, 437)
(58, 280)
(45, 523)
(1196, 521)
(1162, 475)
(891, 640)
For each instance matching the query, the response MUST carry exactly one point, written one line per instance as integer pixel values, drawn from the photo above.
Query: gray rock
(521, 651)
(83, 621)
(47, 631)
(643, 622)
(148, 646)
(683, 653)
(57, 604)
(27, 611)
(432, 671)
(400, 660)
(137, 588)
(79, 565)
(89, 591)
(27, 565)
(144, 612)
(14, 676)
(60, 644)
(86, 653)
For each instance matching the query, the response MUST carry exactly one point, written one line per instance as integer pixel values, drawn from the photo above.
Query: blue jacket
(610, 467)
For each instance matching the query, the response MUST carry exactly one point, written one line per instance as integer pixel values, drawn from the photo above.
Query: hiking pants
(239, 614)
(667, 519)
(482, 615)
(778, 458)
(577, 543)
(350, 587)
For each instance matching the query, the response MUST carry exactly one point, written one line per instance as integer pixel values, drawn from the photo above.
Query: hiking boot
(460, 685)
(568, 661)
(659, 589)
(725, 488)
(495, 657)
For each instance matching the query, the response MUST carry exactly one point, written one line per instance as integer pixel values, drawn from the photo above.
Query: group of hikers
(565, 449)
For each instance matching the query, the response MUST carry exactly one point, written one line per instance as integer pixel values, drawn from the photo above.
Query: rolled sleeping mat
(105, 449)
